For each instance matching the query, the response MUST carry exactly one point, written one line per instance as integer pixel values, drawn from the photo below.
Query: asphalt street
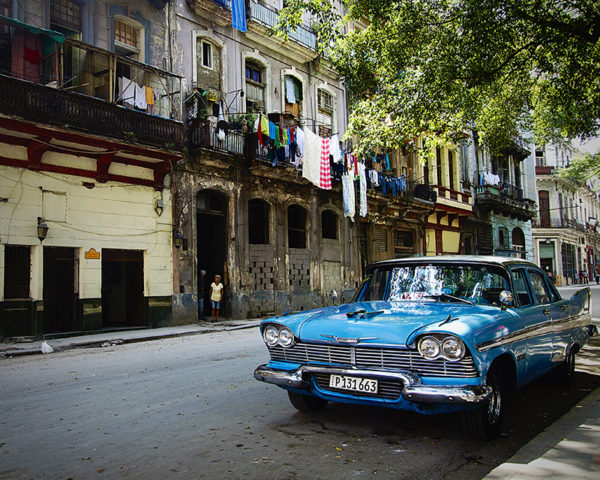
(189, 407)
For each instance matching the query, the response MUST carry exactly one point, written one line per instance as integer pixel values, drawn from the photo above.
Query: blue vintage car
(431, 335)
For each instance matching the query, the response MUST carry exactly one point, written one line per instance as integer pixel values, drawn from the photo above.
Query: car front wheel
(484, 422)
(306, 403)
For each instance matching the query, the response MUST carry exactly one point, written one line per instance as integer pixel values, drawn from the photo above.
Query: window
(325, 101)
(544, 198)
(329, 225)
(16, 271)
(540, 158)
(438, 160)
(66, 14)
(380, 239)
(540, 290)
(258, 222)
(502, 236)
(451, 169)
(293, 96)
(520, 285)
(404, 242)
(126, 34)
(255, 88)
(207, 55)
(296, 227)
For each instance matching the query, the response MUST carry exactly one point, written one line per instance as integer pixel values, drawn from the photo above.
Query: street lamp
(42, 229)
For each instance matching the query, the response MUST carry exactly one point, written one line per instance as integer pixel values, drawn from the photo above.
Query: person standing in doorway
(216, 294)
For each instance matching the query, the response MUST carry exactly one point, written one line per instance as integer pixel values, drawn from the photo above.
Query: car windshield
(477, 283)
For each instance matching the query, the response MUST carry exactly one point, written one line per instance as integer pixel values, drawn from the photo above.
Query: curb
(120, 341)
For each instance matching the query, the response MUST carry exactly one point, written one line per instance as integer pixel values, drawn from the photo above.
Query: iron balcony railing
(545, 221)
(268, 17)
(89, 88)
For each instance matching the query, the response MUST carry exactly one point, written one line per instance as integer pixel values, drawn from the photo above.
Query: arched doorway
(518, 241)
(211, 222)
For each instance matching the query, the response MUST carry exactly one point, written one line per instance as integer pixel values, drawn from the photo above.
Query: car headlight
(453, 348)
(429, 347)
(271, 336)
(286, 337)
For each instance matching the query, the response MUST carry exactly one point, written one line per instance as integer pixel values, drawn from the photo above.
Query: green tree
(582, 168)
(431, 67)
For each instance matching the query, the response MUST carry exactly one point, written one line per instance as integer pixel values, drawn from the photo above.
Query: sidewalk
(124, 336)
(565, 450)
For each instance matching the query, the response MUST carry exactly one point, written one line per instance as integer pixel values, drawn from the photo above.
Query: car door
(533, 309)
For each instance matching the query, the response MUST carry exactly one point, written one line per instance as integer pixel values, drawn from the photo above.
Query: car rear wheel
(565, 373)
(306, 403)
(484, 422)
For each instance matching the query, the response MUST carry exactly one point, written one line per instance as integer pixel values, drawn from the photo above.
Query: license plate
(356, 384)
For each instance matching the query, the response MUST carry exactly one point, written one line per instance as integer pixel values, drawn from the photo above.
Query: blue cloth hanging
(238, 15)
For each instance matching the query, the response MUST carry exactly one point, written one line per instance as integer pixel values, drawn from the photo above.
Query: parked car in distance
(431, 335)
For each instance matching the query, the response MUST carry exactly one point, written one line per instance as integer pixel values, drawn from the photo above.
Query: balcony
(268, 17)
(87, 88)
(506, 199)
(545, 221)
(453, 198)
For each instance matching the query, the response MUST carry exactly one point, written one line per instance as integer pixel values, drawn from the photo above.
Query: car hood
(395, 323)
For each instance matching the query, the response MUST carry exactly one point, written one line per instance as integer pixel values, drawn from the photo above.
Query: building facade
(565, 232)
(90, 127)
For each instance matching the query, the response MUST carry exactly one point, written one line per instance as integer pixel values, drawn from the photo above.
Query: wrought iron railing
(269, 18)
(206, 134)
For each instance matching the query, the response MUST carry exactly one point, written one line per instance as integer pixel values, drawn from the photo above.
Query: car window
(375, 286)
(520, 285)
(540, 289)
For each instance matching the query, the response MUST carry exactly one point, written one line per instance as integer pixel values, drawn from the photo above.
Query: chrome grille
(373, 358)
(385, 388)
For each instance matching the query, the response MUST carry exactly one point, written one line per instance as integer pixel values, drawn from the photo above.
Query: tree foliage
(583, 168)
(431, 67)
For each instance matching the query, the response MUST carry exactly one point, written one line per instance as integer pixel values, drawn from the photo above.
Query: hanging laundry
(264, 125)
(387, 162)
(150, 99)
(311, 161)
(140, 97)
(127, 91)
(348, 195)
(300, 141)
(334, 149)
(272, 131)
(325, 182)
(238, 15)
(363, 190)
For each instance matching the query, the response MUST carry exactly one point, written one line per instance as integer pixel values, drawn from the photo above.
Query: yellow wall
(110, 215)
(451, 241)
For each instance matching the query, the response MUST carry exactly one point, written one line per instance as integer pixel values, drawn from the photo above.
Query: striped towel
(325, 182)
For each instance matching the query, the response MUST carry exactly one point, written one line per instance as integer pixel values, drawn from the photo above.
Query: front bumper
(412, 388)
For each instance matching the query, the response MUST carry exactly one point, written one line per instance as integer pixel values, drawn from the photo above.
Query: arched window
(258, 222)
(329, 225)
(293, 96)
(296, 227)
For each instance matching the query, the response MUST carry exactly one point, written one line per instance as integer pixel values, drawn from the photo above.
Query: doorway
(61, 289)
(211, 221)
(123, 288)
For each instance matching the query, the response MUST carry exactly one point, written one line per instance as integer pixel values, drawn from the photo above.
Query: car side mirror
(506, 299)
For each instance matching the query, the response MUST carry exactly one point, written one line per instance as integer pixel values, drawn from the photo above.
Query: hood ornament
(348, 341)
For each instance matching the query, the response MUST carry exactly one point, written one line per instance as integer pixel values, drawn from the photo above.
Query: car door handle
(564, 308)
(546, 311)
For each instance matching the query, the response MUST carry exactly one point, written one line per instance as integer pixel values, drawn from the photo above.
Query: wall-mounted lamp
(42, 229)
(177, 239)
(160, 206)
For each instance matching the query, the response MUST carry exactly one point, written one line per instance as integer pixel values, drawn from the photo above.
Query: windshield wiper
(363, 313)
(450, 297)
